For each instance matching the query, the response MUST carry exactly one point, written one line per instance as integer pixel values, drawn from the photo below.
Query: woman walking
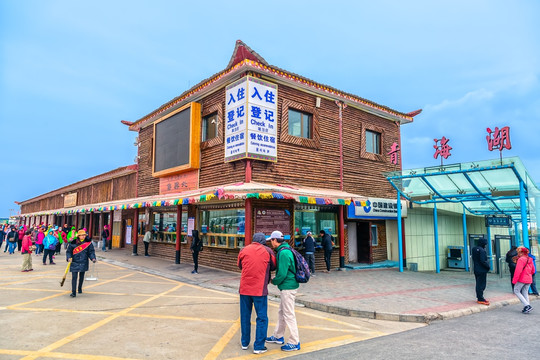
(49, 247)
(78, 253)
(523, 278)
(26, 249)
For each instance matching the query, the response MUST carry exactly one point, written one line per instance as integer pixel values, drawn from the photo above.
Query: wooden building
(253, 148)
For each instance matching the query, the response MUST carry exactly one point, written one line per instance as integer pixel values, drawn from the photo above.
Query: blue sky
(71, 70)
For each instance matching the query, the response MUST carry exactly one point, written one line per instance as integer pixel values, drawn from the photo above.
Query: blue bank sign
(377, 208)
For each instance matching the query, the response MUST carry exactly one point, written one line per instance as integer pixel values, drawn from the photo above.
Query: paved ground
(131, 314)
(382, 294)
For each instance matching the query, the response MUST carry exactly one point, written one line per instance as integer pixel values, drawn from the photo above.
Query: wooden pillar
(134, 233)
(178, 232)
(90, 225)
(77, 221)
(111, 222)
(341, 227)
(248, 231)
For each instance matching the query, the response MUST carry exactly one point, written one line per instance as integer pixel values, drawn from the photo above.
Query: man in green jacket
(287, 284)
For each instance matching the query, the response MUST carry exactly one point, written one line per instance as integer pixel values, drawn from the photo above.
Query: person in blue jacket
(49, 247)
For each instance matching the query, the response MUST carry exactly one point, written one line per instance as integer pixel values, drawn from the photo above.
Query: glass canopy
(483, 187)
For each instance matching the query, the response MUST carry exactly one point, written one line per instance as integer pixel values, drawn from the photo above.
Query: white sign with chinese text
(251, 120)
(379, 208)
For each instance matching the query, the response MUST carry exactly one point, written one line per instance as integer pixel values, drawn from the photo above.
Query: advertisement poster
(190, 226)
(268, 220)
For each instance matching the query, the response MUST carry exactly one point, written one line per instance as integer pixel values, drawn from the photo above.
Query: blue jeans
(261, 308)
(104, 244)
(11, 247)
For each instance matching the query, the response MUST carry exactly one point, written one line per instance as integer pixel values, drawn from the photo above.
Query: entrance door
(363, 240)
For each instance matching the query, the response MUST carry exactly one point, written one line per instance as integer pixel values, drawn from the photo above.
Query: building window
(164, 225)
(223, 228)
(300, 124)
(373, 142)
(209, 126)
(374, 236)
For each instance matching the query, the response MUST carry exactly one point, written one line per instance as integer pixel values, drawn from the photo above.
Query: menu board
(268, 220)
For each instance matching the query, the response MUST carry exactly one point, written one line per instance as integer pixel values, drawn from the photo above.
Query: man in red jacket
(256, 262)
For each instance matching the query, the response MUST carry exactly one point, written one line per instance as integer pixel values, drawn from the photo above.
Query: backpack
(302, 273)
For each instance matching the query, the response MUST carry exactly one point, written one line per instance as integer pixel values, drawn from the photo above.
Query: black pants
(534, 290)
(146, 245)
(327, 257)
(49, 253)
(74, 275)
(480, 285)
(196, 260)
(512, 271)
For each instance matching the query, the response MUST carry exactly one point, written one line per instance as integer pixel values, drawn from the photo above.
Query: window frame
(310, 123)
(207, 111)
(314, 142)
(364, 154)
(207, 123)
(374, 239)
(376, 141)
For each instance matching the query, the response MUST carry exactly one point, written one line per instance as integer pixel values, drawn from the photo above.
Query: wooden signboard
(268, 220)
(70, 200)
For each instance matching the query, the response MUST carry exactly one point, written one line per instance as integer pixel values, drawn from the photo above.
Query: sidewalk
(383, 294)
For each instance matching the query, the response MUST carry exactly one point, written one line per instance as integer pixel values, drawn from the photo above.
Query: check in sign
(251, 120)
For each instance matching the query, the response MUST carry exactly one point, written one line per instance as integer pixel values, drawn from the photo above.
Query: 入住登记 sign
(251, 120)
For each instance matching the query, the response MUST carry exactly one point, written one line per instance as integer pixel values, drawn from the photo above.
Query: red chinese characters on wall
(499, 138)
(442, 148)
(178, 183)
(394, 153)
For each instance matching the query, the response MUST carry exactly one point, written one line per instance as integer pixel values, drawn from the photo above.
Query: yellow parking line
(113, 266)
(25, 289)
(25, 280)
(305, 348)
(94, 326)
(59, 355)
(173, 317)
(13, 307)
(218, 348)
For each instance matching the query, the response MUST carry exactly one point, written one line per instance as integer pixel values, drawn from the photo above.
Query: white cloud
(475, 96)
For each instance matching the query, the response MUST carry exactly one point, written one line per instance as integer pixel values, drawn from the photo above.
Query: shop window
(223, 228)
(373, 142)
(209, 126)
(314, 220)
(164, 225)
(300, 124)
(141, 225)
(374, 236)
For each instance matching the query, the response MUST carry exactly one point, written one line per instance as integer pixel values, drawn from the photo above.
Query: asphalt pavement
(383, 294)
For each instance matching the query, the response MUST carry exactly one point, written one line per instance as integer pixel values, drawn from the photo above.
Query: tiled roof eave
(221, 78)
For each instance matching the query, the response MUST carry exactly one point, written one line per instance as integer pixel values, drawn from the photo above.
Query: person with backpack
(256, 261)
(523, 278)
(49, 247)
(285, 280)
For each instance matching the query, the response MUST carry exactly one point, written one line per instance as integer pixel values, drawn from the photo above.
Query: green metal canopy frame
(491, 187)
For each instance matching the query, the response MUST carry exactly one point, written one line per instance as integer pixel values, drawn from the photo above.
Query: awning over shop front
(238, 191)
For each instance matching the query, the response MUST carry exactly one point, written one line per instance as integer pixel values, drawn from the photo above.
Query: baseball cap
(275, 235)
